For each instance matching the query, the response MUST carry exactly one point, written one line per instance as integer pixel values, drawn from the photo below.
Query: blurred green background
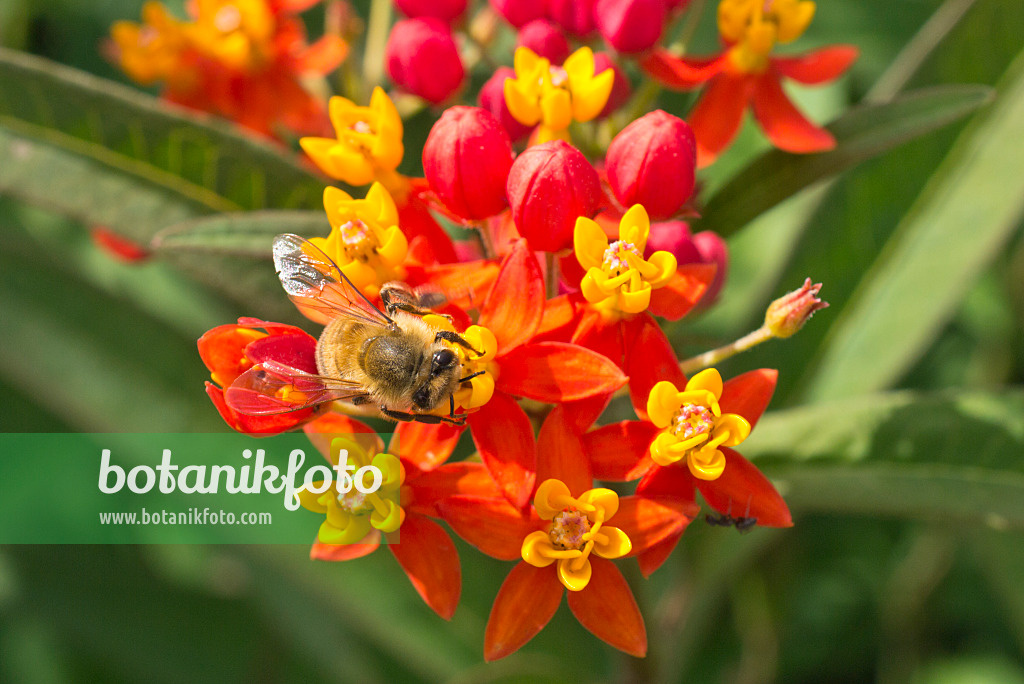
(897, 432)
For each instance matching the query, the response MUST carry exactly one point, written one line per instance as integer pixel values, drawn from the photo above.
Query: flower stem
(378, 27)
(551, 273)
(715, 356)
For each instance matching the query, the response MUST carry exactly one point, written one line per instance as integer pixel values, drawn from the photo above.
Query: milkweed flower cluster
(551, 305)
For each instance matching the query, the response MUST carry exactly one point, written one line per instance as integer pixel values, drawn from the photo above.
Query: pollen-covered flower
(415, 478)
(555, 96)
(230, 350)
(693, 425)
(477, 364)
(619, 279)
(365, 240)
(352, 513)
(745, 73)
(368, 143)
(578, 527)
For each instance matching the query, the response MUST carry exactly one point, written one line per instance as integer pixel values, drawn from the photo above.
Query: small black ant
(744, 523)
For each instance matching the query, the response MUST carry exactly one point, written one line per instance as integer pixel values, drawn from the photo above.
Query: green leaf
(231, 253)
(952, 456)
(967, 211)
(863, 133)
(195, 163)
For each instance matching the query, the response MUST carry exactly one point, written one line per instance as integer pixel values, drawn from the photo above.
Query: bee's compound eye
(443, 358)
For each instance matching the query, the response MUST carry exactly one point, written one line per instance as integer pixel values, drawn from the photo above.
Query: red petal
(595, 333)
(585, 412)
(655, 557)
(526, 602)
(748, 395)
(344, 552)
(323, 56)
(651, 520)
(559, 320)
(503, 435)
(428, 556)
(425, 446)
(294, 351)
(717, 117)
(649, 360)
(820, 66)
(558, 371)
(674, 481)
(515, 304)
(560, 454)
(681, 74)
(415, 219)
(743, 491)
(618, 452)
(451, 479)
(492, 525)
(570, 271)
(464, 284)
(607, 608)
(119, 247)
(257, 426)
(784, 125)
(683, 291)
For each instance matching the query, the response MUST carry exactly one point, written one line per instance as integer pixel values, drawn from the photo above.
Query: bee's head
(440, 383)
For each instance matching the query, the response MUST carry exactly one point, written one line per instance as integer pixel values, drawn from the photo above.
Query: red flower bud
(466, 160)
(630, 25)
(492, 98)
(549, 187)
(575, 16)
(673, 237)
(546, 39)
(787, 314)
(422, 58)
(651, 162)
(520, 12)
(621, 89)
(713, 250)
(445, 10)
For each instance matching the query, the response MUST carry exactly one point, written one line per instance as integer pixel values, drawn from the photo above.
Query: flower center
(755, 26)
(616, 256)
(361, 127)
(692, 420)
(559, 77)
(354, 233)
(355, 502)
(227, 19)
(568, 529)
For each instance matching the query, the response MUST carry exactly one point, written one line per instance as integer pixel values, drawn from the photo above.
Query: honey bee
(391, 358)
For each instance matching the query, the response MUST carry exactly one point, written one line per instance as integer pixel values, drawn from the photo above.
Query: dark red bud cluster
(445, 10)
(466, 159)
(492, 98)
(546, 39)
(703, 248)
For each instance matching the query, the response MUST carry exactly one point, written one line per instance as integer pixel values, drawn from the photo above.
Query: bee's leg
(471, 376)
(451, 405)
(745, 524)
(420, 417)
(398, 296)
(455, 337)
(361, 399)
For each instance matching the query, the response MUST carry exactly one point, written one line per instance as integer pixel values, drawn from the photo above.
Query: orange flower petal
(323, 56)
(344, 552)
(607, 608)
(504, 437)
(526, 602)
(559, 318)
(415, 219)
(492, 525)
(619, 452)
(649, 360)
(515, 305)
(681, 74)
(682, 292)
(330, 425)
(595, 333)
(560, 454)
(584, 412)
(648, 521)
(743, 491)
(748, 395)
(451, 479)
(557, 371)
(654, 557)
(464, 284)
(783, 123)
(428, 556)
(425, 446)
(717, 117)
(820, 66)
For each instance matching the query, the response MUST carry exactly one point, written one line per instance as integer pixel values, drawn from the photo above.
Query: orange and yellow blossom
(555, 96)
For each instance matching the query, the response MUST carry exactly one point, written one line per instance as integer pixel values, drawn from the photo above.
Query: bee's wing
(270, 387)
(314, 282)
